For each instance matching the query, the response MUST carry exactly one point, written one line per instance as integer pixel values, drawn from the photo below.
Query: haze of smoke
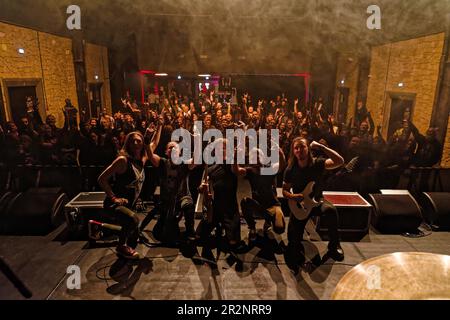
(236, 35)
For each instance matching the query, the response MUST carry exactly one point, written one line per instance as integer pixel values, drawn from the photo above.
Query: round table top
(397, 276)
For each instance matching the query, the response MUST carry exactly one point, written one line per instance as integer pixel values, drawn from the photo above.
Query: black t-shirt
(300, 177)
(173, 181)
(224, 183)
(263, 188)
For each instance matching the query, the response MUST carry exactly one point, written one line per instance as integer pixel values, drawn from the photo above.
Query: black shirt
(263, 188)
(128, 185)
(224, 183)
(300, 177)
(173, 181)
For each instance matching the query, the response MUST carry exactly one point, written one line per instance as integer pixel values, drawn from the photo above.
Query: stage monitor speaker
(353, 215)
(5, 198)
(35, 212)
(395, 213)
(436, 207)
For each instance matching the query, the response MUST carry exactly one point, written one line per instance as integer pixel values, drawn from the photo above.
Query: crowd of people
(313, 146)
(97, 141)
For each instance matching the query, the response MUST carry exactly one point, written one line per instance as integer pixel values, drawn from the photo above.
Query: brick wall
(59, 73)
(413, 62)
(348, 70)
(56, 72)
(446, 152)
(96, 58)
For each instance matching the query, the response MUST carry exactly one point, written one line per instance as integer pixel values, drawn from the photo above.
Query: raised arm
(417, 135)
(156, 137)
(150, 146)
(245, 105)
(236, 168)
(334, 160)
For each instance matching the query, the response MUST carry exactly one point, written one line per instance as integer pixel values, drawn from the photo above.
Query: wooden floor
(164, 273)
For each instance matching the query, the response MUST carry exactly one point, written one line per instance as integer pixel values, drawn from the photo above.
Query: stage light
(96, 77)
(21, 51)
(204, 75)
(179, 77)
(400, 84)
(207, 78)
(161, 74)
(342, 81)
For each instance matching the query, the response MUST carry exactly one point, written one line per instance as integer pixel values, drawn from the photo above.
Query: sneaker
(336, 252)
(190, 234)
(279, 225)
(143, 239)
(127, 252)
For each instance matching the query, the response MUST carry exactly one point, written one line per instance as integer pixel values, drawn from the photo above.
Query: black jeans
(129, 222)
(250, 207)
(166, 228)
(228, 218)
(296, 228)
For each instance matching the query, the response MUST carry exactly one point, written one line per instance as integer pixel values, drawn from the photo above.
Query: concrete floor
(164, 273)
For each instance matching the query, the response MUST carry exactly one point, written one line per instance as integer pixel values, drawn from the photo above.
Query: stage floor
(164, 273)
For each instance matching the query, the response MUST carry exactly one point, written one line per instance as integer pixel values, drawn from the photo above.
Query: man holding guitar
(302, 175)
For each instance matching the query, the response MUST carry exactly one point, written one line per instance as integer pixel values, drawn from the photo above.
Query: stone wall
(49, 58)
(96, 58)
(415, 63)
(348, 71)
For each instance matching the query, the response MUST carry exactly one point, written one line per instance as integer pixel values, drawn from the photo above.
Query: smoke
(241, 36)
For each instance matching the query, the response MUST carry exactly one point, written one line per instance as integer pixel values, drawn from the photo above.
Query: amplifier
(353, 213)
(84, 207)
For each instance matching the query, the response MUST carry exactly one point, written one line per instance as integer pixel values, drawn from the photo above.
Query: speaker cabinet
(436, 208)
(353, 215)
(395, 213)
(35, 212)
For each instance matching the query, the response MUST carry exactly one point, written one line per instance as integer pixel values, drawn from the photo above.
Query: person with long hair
(174, 195)
(301, 170)
(264, 201)
(128, 169)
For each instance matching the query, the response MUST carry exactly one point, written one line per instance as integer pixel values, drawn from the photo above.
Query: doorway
(401, 108)
(343, 94)
(17, 100)
(16, 91)
(95, 99)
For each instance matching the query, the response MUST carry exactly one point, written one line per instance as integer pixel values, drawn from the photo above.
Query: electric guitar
(302, 209)
(204, 200)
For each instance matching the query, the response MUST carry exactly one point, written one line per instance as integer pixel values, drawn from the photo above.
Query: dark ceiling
(235, 35)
